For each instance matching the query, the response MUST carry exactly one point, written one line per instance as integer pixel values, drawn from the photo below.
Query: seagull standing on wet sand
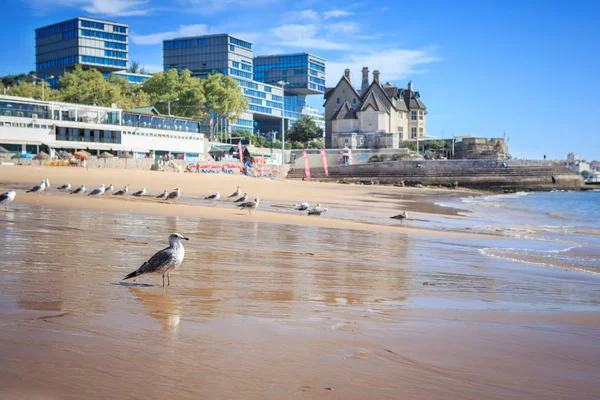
(163, 261)
(80, 189)
(250, 205)
(163, 195)
(66, 186)
(38, 188)
(140, 193)
(242, 199)
(7, 197)
(214, 196)
(318, 210)
(401, 217)
(109, 189)
(122, 192)
(236, 193)
(98, 191)
(174, 195)
(301, 207)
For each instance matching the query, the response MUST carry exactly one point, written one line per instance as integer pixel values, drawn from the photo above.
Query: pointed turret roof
(345, 112)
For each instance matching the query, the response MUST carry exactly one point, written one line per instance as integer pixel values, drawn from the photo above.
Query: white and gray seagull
(80, 189)
(301, 207)
(98, 191)
(402, 216)
(214, 196)
(140, 193)
(236, 193)
(317, 210)
(242, 199)
(250, 205)
(174, 195)
(163, 261)
(109, 189)
(7, 197)
(38, 188)
(66, 186)
(122, 192)
(163, 195)
(47, 184)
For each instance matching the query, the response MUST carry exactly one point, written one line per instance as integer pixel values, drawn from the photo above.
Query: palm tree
(134, 67)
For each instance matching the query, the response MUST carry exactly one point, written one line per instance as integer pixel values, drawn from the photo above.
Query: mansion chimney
(376, 76)
(410, 86)
(365, 81)
(347, 73)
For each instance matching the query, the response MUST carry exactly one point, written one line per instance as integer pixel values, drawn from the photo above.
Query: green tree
(13, 80)
(135, 68)
(33, 91)
(305, 130)
(222, 98)
(317, 144)
(130, 96)
(168, 86)
(88, 87)
(411, 146)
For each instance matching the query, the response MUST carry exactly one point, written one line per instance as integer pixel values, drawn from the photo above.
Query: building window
(420, 131)
(354, 100)
(421, 114)
(413, 133)
(231, 47)
(338, 100)
(413, 115)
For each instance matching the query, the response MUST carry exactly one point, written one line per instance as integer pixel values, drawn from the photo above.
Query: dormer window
(354, 100)
(338, 100)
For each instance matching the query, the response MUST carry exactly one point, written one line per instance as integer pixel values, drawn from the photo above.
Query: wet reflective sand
(265, 310)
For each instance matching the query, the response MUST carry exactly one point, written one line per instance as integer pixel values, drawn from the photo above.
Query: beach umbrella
(126, 156)
(81, 154)
(42, 156)
(26, 155)
(65, 154)
(105, 155)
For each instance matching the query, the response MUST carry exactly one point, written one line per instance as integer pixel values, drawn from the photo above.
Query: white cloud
(394, 64)
(304, 37)
(336, 14)
(309, 15)
(113, 8)
(183, 31)
(343, 27)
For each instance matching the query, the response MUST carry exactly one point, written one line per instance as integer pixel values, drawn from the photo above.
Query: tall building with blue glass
(233, 56)
(89, 42)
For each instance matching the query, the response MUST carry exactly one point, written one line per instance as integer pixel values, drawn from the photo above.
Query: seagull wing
(3, 196)
(156, 262)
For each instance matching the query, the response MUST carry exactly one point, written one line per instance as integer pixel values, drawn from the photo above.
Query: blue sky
(483, 68)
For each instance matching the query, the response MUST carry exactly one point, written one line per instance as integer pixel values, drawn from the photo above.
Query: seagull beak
(186, 238)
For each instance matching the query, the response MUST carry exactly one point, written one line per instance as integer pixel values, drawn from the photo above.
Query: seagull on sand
(163, 261)
(38, 188)
(110, 188)
(301, 207)
(236, 193)
(98, 191)
(318, 210)
(140, 193)
(163, 195)
(80, 189)
(250, 205)
(214, 196)
(174, 195)
(66, 186)
(122, 192)
(242, 199)
(6, 198)
(401, 216)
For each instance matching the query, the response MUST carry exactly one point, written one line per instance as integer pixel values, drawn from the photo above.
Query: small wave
(544, 258)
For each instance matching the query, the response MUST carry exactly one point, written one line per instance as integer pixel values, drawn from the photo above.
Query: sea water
(554, 229)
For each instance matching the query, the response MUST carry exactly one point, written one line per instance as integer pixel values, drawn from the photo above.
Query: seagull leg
(168, 279)
(163, 280)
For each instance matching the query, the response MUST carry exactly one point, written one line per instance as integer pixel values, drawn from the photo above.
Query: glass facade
(103, 61)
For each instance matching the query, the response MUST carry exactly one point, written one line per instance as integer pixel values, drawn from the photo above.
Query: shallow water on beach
(262, 310)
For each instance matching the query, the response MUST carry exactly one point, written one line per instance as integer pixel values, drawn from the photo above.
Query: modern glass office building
(89, 42)
(303, 72)
(229, 55)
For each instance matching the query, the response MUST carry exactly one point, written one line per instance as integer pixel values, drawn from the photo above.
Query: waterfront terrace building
(89, 42)
(376, 116)
(269, 103)
(27, 124)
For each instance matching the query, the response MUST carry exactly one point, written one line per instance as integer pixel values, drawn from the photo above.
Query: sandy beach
(277, 304)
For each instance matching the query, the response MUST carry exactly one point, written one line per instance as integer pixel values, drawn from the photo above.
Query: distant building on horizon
(89, 42)
(376, 116)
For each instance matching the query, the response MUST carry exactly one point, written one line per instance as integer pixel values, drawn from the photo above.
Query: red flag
(306, 166)
(324, 158)
(241, 152)
(210, 123)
